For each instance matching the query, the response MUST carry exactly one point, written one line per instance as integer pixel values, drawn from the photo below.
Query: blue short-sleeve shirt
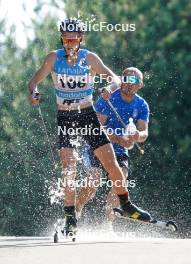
(137, 109)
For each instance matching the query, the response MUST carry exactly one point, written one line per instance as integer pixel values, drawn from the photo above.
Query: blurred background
(160, 47)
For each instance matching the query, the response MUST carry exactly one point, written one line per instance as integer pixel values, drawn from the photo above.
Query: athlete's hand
(105, 93)
(126, 142)
(134, 137)
(123, 141)
(35, 98)
(129, 141)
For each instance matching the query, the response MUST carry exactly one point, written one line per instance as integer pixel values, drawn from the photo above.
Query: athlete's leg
(108, 159)
(113, 200)
(68, 160)
(86, 193)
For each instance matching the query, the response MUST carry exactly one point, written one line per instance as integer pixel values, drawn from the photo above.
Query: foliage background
(160, 47)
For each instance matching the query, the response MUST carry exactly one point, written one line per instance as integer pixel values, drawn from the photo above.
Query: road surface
(92, 250)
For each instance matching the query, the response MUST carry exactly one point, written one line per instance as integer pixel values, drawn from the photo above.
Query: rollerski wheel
(56, 237)
(172, 226)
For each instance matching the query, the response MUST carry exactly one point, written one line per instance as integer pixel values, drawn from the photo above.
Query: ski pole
(124, 125)
(47, 137)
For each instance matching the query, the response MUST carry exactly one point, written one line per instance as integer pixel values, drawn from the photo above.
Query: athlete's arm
(113, 138)
(99, 67)
(120, 140)
(44, 70)
(102, 118)
(141, 133)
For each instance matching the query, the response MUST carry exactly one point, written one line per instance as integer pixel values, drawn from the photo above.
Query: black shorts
(76, 124)
(90, 160)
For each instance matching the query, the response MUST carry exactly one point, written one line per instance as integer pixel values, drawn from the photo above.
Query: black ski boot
(130, 210)
(70, 222)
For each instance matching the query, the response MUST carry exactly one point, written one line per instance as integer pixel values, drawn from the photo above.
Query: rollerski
(131, 212)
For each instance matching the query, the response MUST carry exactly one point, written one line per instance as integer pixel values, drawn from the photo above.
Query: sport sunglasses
(71, 40)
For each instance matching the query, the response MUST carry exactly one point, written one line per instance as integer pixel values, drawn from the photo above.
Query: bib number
(72, 84)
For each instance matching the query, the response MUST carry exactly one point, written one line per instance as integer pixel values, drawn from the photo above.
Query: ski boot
(70, 223)
(130, 210)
